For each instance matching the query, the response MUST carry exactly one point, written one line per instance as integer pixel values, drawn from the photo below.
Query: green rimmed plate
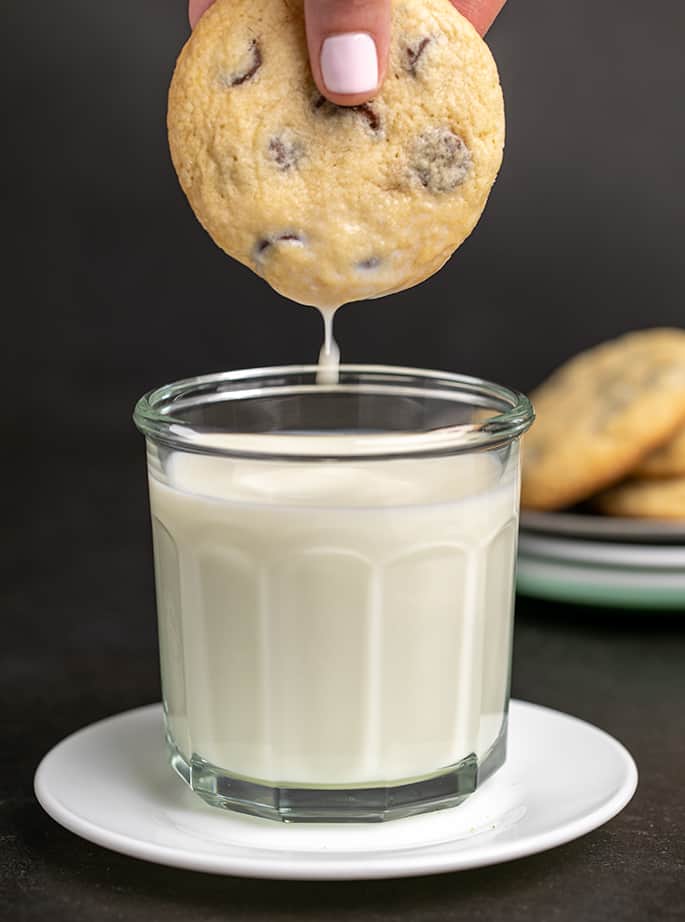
(610, 586)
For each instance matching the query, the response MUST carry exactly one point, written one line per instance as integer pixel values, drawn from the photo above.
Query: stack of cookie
(610, 430)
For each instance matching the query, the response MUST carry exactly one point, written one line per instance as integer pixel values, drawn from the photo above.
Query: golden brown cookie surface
(667, 461)
(332, 204)
(653, 499)
(600, 414)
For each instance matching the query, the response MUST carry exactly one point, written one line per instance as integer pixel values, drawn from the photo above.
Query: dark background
(121, 289)
(111, 287)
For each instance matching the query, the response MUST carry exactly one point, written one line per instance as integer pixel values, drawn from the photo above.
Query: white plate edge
(346, 869)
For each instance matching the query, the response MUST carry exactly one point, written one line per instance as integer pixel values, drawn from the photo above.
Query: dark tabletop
(80, 644)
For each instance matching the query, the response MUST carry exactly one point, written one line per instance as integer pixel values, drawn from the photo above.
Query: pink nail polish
(349, 63)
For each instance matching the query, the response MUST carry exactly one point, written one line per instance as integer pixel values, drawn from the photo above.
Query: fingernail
(349, 63)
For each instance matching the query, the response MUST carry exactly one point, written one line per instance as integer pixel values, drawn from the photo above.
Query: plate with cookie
(603, 477)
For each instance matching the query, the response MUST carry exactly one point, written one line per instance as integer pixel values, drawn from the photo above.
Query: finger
(482, 13)
(195, 9)
(348, 44)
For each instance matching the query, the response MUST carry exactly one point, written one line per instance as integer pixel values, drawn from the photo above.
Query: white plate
(619, 587)
(603, 553)
(111, 784)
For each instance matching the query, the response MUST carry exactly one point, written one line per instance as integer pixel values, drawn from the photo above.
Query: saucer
(111, 784)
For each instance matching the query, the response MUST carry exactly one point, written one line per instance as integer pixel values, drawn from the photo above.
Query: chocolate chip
(252, 68)
(609, 406)
(370, 115)
(413, 54)
(367, 112)
(440, 160)
(265, 243)
(616, 391)
(373, 262)
(285, 151)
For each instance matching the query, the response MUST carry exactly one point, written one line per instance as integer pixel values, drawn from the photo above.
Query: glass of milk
(335, 577)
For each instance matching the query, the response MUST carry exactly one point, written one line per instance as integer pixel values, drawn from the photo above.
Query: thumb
(348, 44)
(195, 9)
(482, 13)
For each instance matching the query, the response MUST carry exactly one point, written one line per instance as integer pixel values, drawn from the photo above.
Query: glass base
(340, 805)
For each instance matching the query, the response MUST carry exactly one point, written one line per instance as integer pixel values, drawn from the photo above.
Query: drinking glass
(334, 571)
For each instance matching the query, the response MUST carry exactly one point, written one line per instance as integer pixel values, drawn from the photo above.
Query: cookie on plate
(332, 204)
(667, 461)
(600, 414)
(651, 499)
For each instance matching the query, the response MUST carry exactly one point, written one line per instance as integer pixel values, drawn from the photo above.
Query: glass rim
(153, 414)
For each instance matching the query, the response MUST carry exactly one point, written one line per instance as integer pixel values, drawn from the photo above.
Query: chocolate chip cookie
(651, 499)
(667, 461)
(332, 204)
(600, 414)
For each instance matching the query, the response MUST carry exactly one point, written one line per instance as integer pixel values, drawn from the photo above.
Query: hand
(348, 41)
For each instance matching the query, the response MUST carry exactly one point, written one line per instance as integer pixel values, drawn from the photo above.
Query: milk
(329, 356)
(339, 623)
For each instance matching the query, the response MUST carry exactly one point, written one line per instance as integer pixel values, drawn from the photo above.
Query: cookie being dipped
(332, 204)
